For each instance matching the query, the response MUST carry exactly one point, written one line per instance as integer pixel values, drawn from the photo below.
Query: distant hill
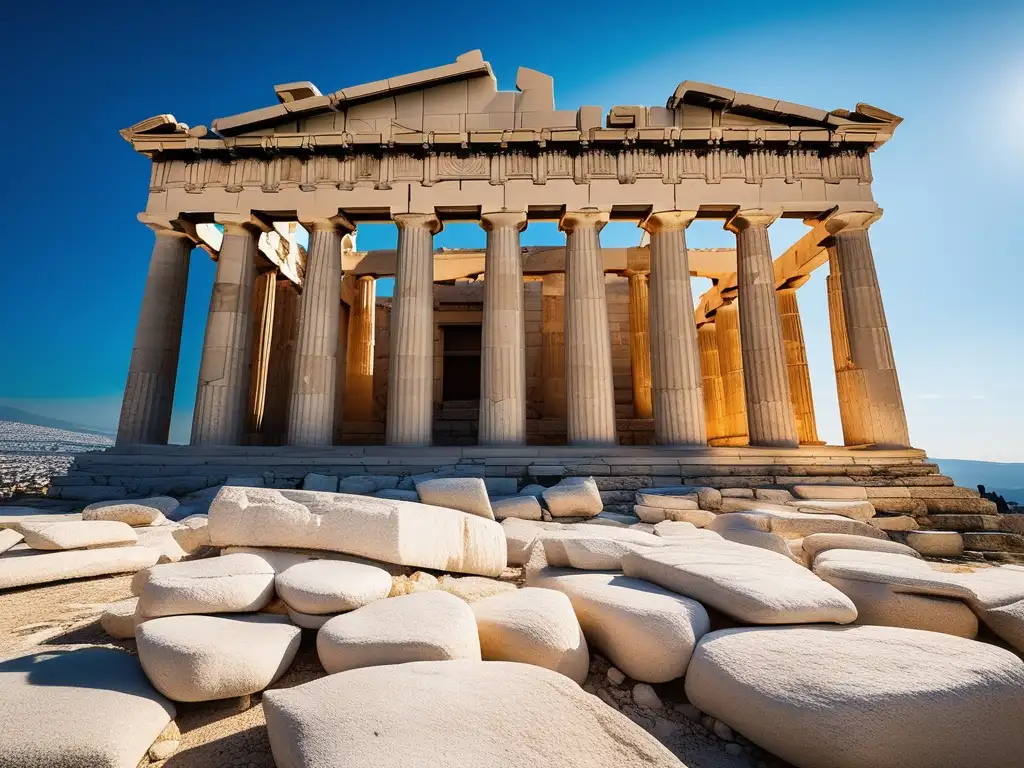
(8, 413)
(1006, 479)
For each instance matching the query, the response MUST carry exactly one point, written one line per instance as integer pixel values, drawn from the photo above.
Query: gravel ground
(231, 732)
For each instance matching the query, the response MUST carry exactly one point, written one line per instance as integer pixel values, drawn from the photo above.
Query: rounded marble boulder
(331, 586)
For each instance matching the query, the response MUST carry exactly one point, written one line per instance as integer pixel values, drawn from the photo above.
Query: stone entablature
(447, 139)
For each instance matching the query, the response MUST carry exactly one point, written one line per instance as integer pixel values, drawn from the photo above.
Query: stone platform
(176, 470)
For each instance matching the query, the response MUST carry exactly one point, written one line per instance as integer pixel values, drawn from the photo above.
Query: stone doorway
(460, 380)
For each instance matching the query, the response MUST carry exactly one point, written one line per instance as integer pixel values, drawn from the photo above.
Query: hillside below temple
(528, 363)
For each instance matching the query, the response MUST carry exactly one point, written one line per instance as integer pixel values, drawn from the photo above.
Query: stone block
(316, 482)
(397, 532)
(936, 543)
(963, 505)
(965, 522)
(895, 523)
(84, 707)
(990, 541)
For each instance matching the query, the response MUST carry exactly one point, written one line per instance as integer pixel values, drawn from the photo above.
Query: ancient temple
(510, 361)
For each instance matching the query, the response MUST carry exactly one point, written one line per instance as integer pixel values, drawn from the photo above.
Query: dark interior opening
(461, 372)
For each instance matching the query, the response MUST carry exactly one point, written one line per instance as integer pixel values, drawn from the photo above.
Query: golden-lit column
(264, 294)
(640, 345)
(284, 335)
(341, 372)
(361, 333)
(849, 415)
(552, 343)
(713, 386)
(796, 366)
(730, 360)
(884, 421)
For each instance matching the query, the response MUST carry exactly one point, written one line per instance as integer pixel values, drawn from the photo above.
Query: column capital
(240, 224)
(587, 218)
(667, 221)
(428, 221)
(325, 223)
(745, 218)
(842, 221)
(164, 225)
(503, 219)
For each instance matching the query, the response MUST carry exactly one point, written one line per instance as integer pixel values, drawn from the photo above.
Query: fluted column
(264, 295)
(770, 420)
(149, 390)
(590, 395)
(679, 417)
(711, 381)
(503, 354)
(849, 415)
(340, 373)
(314, 372)
(552, 344)
(274, 428)
(730, 360)
(883, 419)
(796, 366)
(359, 371)
(222, 395)
(640, 345)
(411, 361)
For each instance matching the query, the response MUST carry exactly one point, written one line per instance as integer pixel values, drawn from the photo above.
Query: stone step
(954, 522)
(992, 541)
(964, 505)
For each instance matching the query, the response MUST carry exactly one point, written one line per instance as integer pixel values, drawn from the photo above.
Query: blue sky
(949, 249)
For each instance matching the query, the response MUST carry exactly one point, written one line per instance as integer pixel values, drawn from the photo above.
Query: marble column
(264, 295)
(314, 373)
(711, 381)
(590, 396)
(503, 351)
(411, 362)
(274, 429)
(849, 415)
(730, 361)
(361, 331)
(224, 373)
(149, 391)
(340, 373)
(883, 419)
(679, 417)
(552, 344)
(770, 419)
(640, 345)
(796, 367)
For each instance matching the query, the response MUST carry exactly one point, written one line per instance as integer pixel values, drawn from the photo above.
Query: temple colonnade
(739, 377)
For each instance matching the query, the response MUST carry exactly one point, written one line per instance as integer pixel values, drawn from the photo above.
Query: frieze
(381, 169)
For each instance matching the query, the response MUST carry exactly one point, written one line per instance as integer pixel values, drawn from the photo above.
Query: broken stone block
(83, 707)
(427, 626)
(135, 512)
(203, 658)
